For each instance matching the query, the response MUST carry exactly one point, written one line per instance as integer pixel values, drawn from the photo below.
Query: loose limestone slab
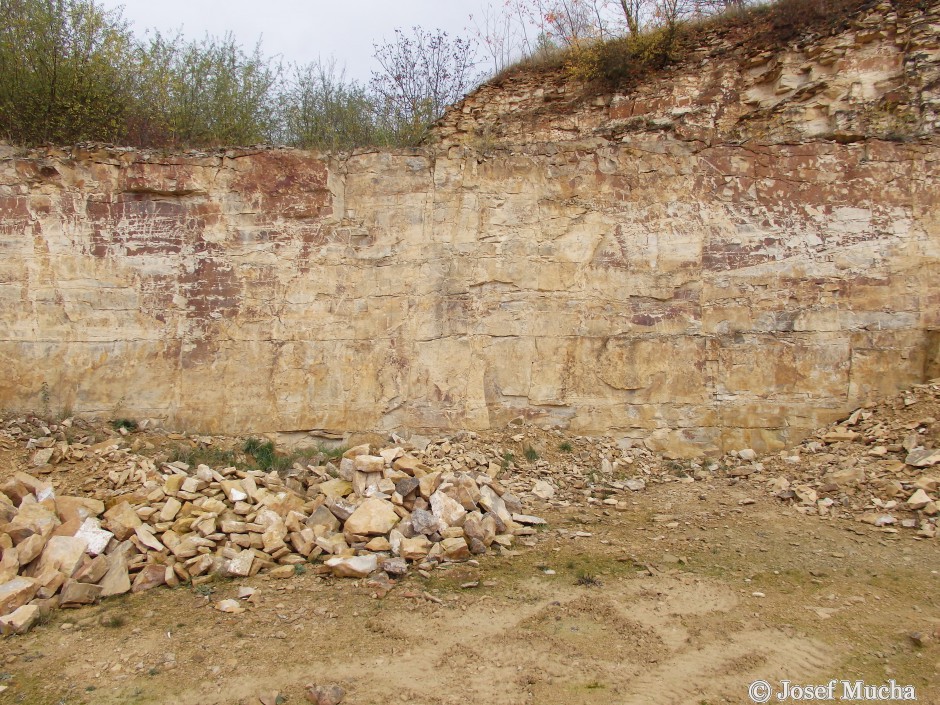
(528, 520)
(9, 564)
(75, 594)
(170, 509)
(30, 548)
(373, 517)
(122, 520)
(62, 553)
(16, 593)
(415, 549)
(229, 607)
(923, 457)
(543, 490)
(80, 508)
(94, 571)
(21, 620)
(448, 510)
(234, 490)
(456, 549)
(97, 538)
(241, 564)
(353, 567)
(32, 519)
(918, 500)
(150, 577)
(369, 464)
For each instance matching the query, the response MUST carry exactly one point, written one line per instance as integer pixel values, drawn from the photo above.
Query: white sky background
(302, 30)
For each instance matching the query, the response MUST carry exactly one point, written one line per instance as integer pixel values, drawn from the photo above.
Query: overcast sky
(302, 30)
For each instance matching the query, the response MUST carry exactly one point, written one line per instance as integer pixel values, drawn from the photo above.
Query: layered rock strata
(726, 258)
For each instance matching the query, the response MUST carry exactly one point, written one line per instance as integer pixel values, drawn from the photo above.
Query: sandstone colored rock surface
(353, 567)
(675, 263)
(16, 593)
(75, 594)
(373, 517)
(21, 620)
(62, 553)
(150, 577)
(122, 520)
(448, 511)
(29, 548)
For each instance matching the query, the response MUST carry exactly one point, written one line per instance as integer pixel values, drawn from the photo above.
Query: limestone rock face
(727, 259)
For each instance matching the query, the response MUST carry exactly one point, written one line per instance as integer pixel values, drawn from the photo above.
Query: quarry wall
(739, 253)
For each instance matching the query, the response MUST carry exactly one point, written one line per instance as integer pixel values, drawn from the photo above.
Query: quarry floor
(684, 596)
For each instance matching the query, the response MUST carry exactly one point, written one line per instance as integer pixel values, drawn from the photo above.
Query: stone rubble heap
(561, 470)
(878, 466)
(375, 514)
(99, 518)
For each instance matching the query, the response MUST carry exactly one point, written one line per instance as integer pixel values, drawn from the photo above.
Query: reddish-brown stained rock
(727, 258)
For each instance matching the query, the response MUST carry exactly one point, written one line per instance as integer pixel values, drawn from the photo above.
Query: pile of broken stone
(878, 466)
(375, 514)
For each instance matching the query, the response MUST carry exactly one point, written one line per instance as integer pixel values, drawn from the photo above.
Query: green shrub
(263, 453)
(63, 71)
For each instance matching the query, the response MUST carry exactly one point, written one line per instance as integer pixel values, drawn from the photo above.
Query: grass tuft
(588, 580)
(129, 424)
(205, 455)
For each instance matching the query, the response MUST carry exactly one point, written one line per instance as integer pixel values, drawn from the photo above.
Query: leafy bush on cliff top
(72, 71)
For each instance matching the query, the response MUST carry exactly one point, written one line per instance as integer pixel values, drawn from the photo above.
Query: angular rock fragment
(29, 549)
(150, 577)
(923, 457)
(63, 554)
(528, 520)
(354, 566)
(21, 620)
(447, 510)
(96, 537)
(325, 694)
(75, 594)
(456, 549)
(240, 565)
(543, 490)
(94, 570)
(918, 500)
(424, 522)
(117, 580)
(415, 549)
(77, 508)
(16, 593)
(121, 520)
(229, 607)
(373, 517)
